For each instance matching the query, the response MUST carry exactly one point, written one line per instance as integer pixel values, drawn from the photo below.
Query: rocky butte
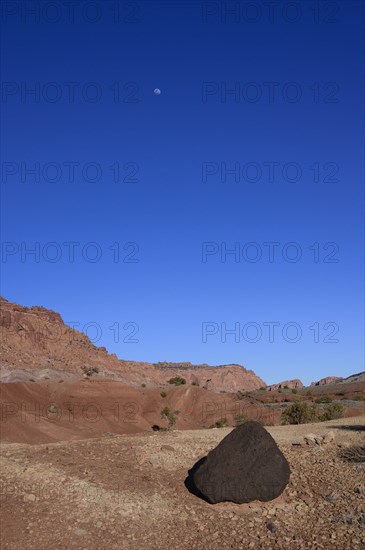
(36, 343)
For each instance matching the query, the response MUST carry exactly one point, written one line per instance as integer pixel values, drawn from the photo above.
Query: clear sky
(256, 137)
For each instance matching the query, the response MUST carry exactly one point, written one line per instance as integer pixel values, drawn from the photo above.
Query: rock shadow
(189, 480)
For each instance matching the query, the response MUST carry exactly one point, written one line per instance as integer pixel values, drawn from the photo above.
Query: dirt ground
(128, 492)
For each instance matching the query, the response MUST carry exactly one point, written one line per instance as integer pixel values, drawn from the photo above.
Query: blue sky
(141, 182)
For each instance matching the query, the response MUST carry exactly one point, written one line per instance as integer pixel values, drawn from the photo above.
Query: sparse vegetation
(298, 413)
(301, 412)
(333, 411)
(359, 398)
(294, 390)
(89, 371)
(309, 393)
(324, 399)
(356, 453)
(263, 388)
(222, 423)
(163, 393)
(177, 380)
(286, 387)
(169, 415)
(143, 385)
(240, 419)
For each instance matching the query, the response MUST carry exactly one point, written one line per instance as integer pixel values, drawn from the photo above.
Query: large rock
(246, 465)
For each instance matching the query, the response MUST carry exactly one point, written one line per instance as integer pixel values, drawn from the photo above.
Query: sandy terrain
(128, 492)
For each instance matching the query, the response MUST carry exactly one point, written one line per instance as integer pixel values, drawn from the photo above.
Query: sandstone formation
(327, 380)
(36, 343)
(291, 384)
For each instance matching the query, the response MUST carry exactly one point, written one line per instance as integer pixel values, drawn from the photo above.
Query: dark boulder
(246, 465)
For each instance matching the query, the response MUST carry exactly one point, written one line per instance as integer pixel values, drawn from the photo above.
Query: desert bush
(286, 387)
(163, 393)
(143, 385)
(263, 388)
(177, 380)
(355, 453)
(332, 411)
(309, 393)
(222, 423)
(359, 398)
(324, 399)
(294, 390)
(195, 383)
(298, 413)
(169, 415)
(89, 371)
(240, 419)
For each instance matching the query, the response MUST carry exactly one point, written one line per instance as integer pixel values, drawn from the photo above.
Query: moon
(157, 91)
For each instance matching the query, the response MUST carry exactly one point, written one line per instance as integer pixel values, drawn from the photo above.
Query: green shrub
(359, 398)
(298, 413)
(177, 380)
(222, 423)
(332, 412)
(294, 390)
(286, 387)
(309, 393)
(324, 399)
(263, 388)
(169, 415)
(163, 393)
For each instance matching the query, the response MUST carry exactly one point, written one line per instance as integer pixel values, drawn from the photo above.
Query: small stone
(310, 439)
(272, 527)
(329, 437)
(167, 448)
(332, 497)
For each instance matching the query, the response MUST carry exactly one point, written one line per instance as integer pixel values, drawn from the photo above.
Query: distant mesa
(327, 380)
(290, 384)
(36, 343)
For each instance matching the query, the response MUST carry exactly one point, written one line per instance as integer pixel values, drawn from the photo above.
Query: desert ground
(130, 491)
